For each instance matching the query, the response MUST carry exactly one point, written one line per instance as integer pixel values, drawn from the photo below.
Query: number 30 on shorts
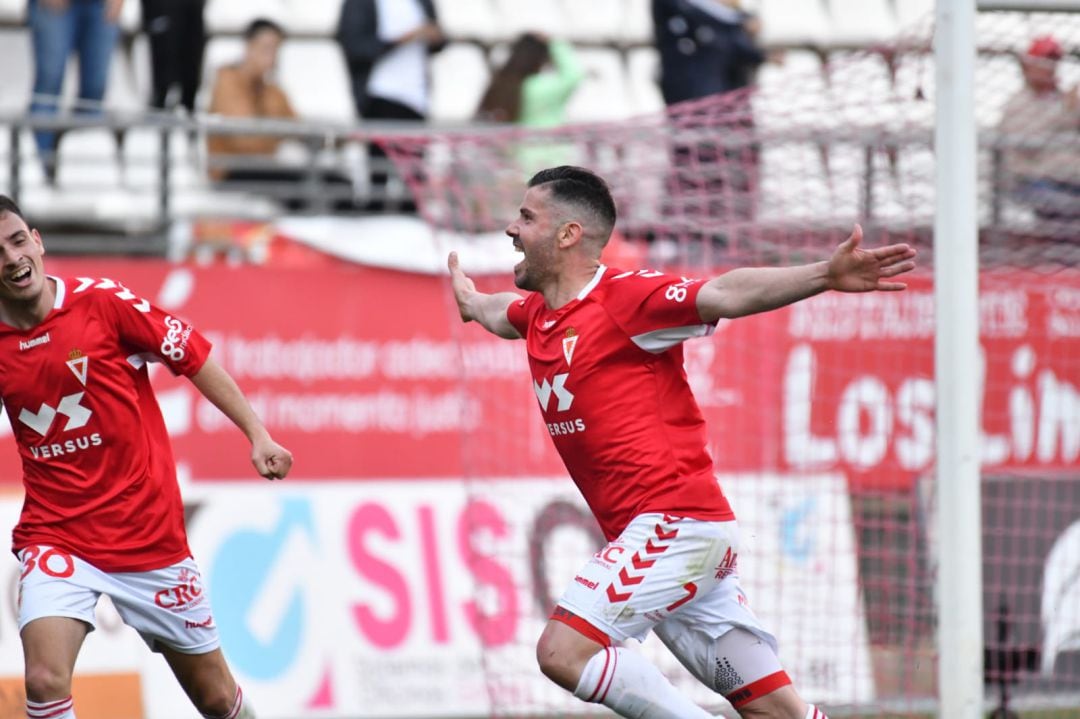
(54, 562)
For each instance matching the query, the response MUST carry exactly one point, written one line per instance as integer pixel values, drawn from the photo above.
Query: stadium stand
(459, 76)
(603, 94)
(469, 20)
(861, 22)
(820, 41)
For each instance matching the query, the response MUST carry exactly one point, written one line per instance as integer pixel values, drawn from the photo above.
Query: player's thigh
(53, 583)
(50, 647)
(168, 607)
(781, 703)
(657, 568)
(723, 643)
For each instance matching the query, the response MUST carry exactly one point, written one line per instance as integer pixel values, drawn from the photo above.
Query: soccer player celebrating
(605, 354)
(102, 513)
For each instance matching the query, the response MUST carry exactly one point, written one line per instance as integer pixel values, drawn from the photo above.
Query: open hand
(463, 286)
(853, 269)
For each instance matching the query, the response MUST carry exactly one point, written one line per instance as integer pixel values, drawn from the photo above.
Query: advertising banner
(426, 598)
(368, 373)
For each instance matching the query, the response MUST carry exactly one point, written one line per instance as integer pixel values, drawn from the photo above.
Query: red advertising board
(367, 373)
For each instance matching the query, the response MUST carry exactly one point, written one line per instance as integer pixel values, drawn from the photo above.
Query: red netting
(821, 415)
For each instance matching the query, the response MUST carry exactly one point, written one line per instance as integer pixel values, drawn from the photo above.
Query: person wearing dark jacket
(706, 47)
(709, 47)
(387, 44)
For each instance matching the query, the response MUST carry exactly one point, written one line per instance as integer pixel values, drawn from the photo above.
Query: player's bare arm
(271, 460)
(851, 268)
(488, 310)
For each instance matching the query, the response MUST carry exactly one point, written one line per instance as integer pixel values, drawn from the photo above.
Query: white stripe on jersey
(659, 341)
(61, 292)
(593, 282)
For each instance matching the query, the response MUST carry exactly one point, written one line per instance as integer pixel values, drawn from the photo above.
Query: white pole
(956, 357)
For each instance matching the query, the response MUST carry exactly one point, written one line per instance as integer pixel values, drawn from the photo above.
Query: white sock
(628, 683)
(59, 709)
(240, 709)
(812, 712)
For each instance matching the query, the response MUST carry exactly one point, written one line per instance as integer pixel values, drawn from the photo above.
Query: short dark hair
(8, 205)
(261, 23)
(577, 185)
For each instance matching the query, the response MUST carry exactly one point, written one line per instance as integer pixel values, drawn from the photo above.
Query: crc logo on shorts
(187, 593)
(556, 386)
(70, 406)
(176, 338)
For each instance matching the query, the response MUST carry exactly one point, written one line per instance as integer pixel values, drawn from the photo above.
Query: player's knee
(784, 703)
(562, 655)
(558, 663)
(551, 663)
(215, 700)
(46, 683)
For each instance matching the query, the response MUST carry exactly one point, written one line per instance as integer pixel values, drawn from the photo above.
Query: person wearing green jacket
(532, 89)
(523, 92)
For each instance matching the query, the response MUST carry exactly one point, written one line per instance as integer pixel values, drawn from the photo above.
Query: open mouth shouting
(21, 276)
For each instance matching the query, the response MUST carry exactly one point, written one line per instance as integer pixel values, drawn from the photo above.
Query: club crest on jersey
(568, 344)
(78, 363)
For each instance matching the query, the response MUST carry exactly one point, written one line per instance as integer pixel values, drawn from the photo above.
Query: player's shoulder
(83, 290)
(617, 282)
(531, 303)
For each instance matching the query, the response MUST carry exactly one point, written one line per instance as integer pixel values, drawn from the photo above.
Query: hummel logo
(27, 344)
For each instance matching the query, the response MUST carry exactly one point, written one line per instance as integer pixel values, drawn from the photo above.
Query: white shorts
(679, 577)
(168, 607)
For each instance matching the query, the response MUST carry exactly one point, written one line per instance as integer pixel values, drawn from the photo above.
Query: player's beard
(533, 272)
(522, 279)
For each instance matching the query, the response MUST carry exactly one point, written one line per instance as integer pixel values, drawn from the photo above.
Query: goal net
(821, 414)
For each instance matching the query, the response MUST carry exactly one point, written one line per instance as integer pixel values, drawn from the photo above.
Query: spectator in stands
(177, 35)
(709, 47)
(387, 44)
(247, 90)
(58, 28)
(706, 47)
(522, 92)
(532, 89)
(1045, 177)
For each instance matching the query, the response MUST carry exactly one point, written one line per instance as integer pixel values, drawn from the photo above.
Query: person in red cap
(1045, 177)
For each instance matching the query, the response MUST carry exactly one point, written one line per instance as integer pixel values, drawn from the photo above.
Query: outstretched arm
(488, 310)
(271, 460)
(749, 290)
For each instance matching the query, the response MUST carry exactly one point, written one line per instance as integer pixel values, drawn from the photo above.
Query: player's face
(22, 278)
(533, 232)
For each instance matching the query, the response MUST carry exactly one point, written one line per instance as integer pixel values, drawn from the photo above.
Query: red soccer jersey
(608, 372)
(98, 470)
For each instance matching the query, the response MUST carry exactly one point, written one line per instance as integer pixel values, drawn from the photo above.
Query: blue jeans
(81, 28)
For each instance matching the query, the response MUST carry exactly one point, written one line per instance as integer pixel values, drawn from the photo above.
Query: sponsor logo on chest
(70, 410)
